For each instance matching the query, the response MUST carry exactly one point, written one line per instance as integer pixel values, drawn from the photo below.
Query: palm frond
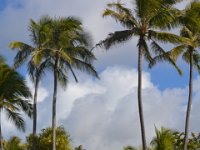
(121, 14)
(16, 119)
(186, 56)
(165, 18)
(25, 106)
(146, 9)
(177, 51)
(84, 66)
(165, 37)
(145, 51)
(186, 32)
(24, 51)
(12, 83)
(162, 56)
(116, 38)
(80, 52)
(62, 76)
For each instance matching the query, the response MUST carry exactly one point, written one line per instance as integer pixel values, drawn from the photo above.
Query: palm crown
(14, 96)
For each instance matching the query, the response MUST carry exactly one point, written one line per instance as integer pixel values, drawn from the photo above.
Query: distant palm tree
(25, 53)
(67, 49)
(163, 140)
(14, 95)
(142, 22)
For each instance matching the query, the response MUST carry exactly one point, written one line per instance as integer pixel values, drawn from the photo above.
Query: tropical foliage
(14, 143)
(14, 97)
(163, 140)
(44, 140)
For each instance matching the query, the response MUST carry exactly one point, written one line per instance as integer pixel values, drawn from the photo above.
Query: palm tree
(142, 22)
(163, 140)
(190, 53)
(67, 49)
(14, 95)
(190, 19)
(25, 53)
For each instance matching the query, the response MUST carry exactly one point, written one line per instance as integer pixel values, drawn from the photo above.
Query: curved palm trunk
(1, 139)
(140, 107)
(54, 108)
(189, 103)
(35, 113)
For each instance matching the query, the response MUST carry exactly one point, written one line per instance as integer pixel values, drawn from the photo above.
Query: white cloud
(108, 118)
(103, 114)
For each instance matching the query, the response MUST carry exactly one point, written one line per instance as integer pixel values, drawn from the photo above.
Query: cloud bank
(103, 114)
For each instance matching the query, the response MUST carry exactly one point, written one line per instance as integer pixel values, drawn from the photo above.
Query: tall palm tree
(163, 140)
(190, 31)
(142, 22)
(190, 52)
(14, 95)
(67, 49)
(25, 53)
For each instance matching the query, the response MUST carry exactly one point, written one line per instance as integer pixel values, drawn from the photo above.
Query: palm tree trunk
(1, 138)
(189, 103)
(35, 114)
(140, 107)
(54, 107)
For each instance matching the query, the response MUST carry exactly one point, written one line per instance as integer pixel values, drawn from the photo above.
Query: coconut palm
(14, 95)
(25, 53)
(67, 49)
(189, 51)
(190, 19)
(142, 22)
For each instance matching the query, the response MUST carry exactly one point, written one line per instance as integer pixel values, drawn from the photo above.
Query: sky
(100, 114)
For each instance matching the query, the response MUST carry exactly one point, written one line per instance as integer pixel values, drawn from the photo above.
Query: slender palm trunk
(54, 107)
(189, 103)
(140, 107)
(35, 113)
(1, 139)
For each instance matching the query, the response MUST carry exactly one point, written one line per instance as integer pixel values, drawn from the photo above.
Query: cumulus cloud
(103, 114)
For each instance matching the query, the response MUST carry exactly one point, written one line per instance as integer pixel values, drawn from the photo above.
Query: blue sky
(2, 4)
(161, 74)
(109, 103)
(15, 4)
